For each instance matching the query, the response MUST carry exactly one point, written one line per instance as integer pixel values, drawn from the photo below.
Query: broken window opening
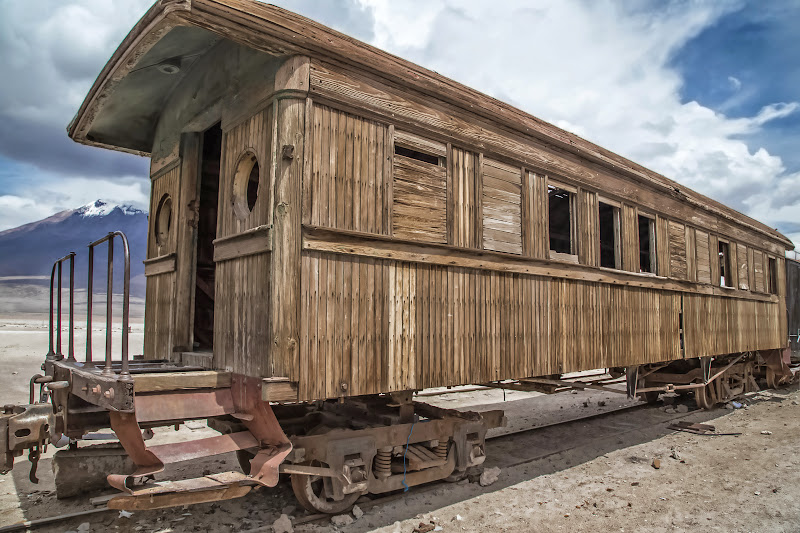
(561, 225)
(610, 256)
(724, 264)
(647, 244)
(419, 156)
(772, 275)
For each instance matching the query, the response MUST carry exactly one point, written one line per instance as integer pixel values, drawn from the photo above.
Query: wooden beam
(279, 390)
(159, 265)
(250, 242)
(168, 381)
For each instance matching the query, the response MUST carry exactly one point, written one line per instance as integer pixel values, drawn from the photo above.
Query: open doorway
(206, 233)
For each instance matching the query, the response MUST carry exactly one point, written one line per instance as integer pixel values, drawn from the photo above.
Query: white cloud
(735, 82)
(602, 72)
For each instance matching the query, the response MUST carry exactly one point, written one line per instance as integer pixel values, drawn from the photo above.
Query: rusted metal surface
(24, 427)
(195, 449)
(124, 373)
(275, 446)
(184, 405)
(130, 436)
(212, 488)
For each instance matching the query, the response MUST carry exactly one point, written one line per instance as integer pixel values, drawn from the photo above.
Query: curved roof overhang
(123, 106)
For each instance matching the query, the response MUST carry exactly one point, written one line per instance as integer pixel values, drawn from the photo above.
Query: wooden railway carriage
(330, 222)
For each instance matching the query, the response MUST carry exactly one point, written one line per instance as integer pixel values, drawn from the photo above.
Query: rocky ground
(595, 474)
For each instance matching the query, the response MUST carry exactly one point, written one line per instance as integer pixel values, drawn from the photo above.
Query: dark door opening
(206, 233)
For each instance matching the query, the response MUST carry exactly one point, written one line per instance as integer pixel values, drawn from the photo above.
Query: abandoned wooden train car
(329, 223)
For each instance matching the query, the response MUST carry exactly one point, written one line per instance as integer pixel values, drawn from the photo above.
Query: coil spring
(441, 449)
(383, 463)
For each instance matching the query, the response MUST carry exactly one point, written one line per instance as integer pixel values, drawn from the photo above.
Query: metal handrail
(107, 369)
(56, 354)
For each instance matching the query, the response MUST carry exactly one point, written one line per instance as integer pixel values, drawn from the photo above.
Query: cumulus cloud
(599, 69)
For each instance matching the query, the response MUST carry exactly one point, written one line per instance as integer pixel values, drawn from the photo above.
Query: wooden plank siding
(348, 172)
(464, 202)
(419, 203)
(629, 236)
(677, 250)
(160, 290)
(588, 228)
(242, 284)
(382, 325)
(536, 242)
(501, 204)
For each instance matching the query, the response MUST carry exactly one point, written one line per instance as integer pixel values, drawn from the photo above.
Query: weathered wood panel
(629, 237)
(362, 91)
(792, 288)
(242, 283)
(759, 279)
(348, 157)
(241, 316)
(419, 210)
(372, 325)
(662, 247)
(713, 253)
(717, 326)
(536, 242)
(588, 228)
(703, 257)
(159, 308)
(501, 205)
(677, 250)
(464, 199)
(252, 135)
(691, 253)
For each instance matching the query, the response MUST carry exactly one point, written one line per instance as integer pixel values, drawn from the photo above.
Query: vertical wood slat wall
(464, 201)
(375, 325)
(160, 290)
(242, 284)
(349, 172)
(629, 237)
(588, 228)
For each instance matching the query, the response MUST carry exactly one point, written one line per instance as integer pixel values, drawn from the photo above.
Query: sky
(704, 92)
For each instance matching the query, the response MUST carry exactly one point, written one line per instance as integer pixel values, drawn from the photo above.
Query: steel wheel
(313, 495)
(705, 397)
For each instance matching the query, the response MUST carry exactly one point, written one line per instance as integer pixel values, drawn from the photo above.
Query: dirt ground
(593, 474)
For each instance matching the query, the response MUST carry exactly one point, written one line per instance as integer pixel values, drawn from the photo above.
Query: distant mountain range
(28, 251)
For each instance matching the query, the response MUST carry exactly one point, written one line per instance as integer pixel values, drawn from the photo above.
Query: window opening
(772, 274)
(419, 156)
(245, 185)
(163, 221)
(609, 236)
(724, 264)
(647, 244)
(561, 215)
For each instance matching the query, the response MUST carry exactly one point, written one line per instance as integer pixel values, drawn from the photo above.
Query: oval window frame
(162, 234)
(241, 181)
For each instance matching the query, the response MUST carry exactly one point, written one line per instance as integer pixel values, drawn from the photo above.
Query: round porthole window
(163, 220)
(245, 185)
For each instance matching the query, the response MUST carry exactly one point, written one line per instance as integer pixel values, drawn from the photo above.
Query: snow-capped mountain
(29, 251)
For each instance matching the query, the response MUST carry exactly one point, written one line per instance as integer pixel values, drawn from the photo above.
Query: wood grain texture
(630, 238)
(759, 279)
(501, 204)
(242, 280)
(677, 250)
(464, 202)
(588, 228)
(703, 257)
(347, 164)
(419, 203)
(160, 299)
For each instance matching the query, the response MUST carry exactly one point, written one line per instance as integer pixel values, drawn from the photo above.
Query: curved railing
(55, 349)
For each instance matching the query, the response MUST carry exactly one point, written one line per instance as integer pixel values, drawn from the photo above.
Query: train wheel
(705, 397)
(312, 493)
